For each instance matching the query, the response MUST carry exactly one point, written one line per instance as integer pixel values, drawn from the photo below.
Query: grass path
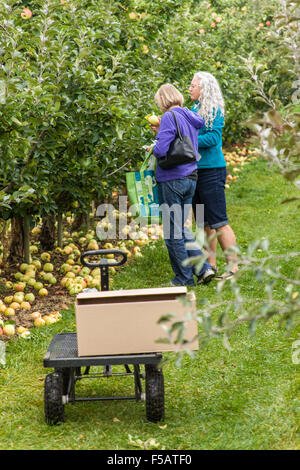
(247, 398)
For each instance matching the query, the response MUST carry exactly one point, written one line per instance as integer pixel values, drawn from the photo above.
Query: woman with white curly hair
(210, 191)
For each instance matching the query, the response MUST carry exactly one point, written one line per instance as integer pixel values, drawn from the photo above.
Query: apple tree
(78, 77)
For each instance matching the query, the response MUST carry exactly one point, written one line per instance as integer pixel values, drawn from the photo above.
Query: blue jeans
(175, 198)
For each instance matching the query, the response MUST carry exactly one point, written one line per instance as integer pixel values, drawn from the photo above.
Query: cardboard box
(125, 321)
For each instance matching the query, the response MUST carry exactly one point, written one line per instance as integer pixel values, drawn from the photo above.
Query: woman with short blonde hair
(167, 96)
(176, 185)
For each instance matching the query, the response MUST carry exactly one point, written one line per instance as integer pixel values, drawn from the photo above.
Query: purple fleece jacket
(189, 123)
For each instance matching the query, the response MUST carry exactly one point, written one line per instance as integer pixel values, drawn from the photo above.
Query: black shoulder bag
(180, 151)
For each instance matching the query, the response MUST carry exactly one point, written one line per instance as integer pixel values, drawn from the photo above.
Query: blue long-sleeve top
(210, 142)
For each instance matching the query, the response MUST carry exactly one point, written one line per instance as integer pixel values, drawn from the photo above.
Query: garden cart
(70, 368)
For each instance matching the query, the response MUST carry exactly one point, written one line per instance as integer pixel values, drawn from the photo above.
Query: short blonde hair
(167, 96)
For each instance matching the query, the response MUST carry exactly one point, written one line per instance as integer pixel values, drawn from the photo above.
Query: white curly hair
(210, 99)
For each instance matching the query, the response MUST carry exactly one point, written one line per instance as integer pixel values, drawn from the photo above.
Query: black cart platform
(59, 388)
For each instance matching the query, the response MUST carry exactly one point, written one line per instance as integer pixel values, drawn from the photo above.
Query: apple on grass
(25, 334)
(43, 292)
(35, 315)
(21, 329)
(46, 257)
(52, 280)
(30, 273)
(25, 305)
(48, 267)
(2, 308)
(63, 281)
(33, 249)
(65, 268)
(95, 273)
(23, 267)
(15, 305)
(38, 286)
(39, 321)
(85, 271)
(18, 297)
(31, 282)
(30, 297)
(9, 312)
(19, 286)
(93, 245)
(76, 268)
(9, 299)
(70, 275)
(108, 246)
(48, 320)
(9, 330)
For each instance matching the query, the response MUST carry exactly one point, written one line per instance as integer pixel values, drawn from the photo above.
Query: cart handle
(103, 262)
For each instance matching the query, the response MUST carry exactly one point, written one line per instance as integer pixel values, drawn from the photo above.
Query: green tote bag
(142, 192)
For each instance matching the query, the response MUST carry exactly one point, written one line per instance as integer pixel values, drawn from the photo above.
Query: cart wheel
(53, 405)
(155, 400)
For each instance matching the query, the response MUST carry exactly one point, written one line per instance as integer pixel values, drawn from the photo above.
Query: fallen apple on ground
(9, 330)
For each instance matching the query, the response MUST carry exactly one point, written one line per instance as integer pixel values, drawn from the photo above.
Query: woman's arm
(165, 136)
(210, 138)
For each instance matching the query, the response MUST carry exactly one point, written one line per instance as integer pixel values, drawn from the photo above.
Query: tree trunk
(87, 220)
(48, 235)
(16, 246)
(26, 228)
(5, 240)
(79, 222)
(60, 230)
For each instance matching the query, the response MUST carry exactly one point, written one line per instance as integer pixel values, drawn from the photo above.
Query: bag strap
(178, 130)
(146, 161)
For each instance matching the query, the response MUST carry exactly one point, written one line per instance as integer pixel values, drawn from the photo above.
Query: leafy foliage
(78, 77)
(277, 131)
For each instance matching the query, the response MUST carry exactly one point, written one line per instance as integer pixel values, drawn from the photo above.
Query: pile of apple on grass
(33, 294)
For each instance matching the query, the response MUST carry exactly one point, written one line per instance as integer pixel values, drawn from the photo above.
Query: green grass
(246, 398)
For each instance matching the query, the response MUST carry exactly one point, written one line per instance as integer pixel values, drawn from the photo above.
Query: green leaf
(16, 121)
(166, 318)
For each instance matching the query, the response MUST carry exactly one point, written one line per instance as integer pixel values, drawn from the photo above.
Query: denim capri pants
(210, 191)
